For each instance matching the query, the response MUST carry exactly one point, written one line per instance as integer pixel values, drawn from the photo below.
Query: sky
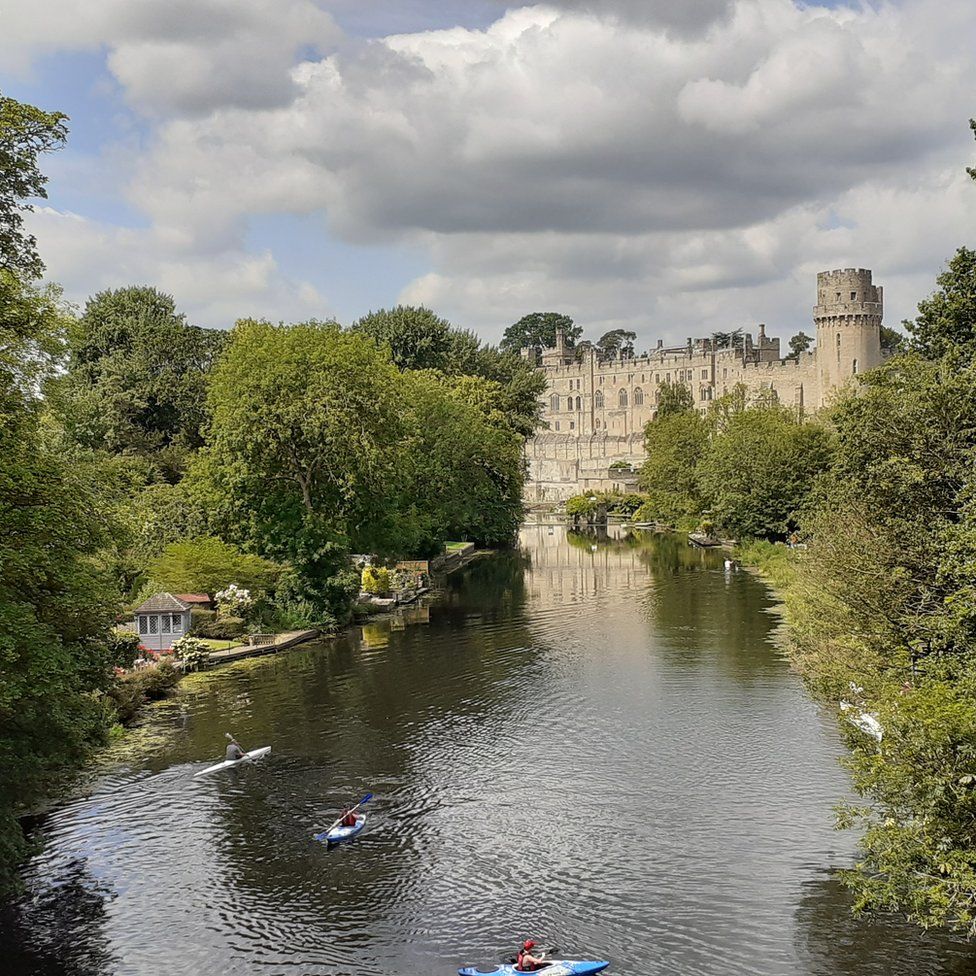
(673, 168)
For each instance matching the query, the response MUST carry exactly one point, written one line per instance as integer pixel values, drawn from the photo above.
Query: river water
(593, 741)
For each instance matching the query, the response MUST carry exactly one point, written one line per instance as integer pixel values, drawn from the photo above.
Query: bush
(192, 653)
(201, 618)
(376, 580)
(123, 648)
(235, 601)
(132, 690)
(220, 628)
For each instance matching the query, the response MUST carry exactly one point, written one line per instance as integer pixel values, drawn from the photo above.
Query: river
(594, 742)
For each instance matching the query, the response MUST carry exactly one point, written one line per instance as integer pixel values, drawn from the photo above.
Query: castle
(595, 410)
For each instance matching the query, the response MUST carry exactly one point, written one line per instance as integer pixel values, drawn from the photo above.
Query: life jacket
(520, 962)
(349, 820)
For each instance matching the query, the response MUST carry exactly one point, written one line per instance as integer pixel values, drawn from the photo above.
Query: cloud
(177, 56)
(88, 256)
(669, 167)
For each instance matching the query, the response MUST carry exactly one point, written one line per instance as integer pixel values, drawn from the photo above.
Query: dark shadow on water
(831, 940)
(57, 931)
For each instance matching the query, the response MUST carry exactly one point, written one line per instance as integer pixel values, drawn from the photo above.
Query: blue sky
(670, 168)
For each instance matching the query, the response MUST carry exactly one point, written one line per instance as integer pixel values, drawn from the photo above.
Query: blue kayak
(338, 834)
(558, 967)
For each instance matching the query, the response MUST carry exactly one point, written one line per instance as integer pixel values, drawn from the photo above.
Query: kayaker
(525, 961)
(234, 751)
(348, 817)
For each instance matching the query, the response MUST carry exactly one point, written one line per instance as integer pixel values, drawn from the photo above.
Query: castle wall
(596, 411)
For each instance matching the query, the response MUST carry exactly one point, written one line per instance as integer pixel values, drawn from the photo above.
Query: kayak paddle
(324, 833)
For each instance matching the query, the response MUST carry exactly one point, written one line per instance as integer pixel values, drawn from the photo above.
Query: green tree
(946, 321)
(207, 565)
(799, 343)
(674, 398)
(302, 449)
(136, 381)
(892, 341)
(26, 133)
(759, 470)
(674, 445)
(617, 343)
(58, 592)
(537, 330)
(419, 339)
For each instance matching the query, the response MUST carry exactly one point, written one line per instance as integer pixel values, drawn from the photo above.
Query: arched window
(854, 368)
(638, 397)
(598, 400)
(554, 402)
(579, 404)
(622, 398)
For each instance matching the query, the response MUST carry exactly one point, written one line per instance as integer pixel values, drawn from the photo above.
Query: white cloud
(213, 291)
(672, 167)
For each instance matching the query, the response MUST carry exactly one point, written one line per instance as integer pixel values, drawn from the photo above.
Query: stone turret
(560, 354)
(848, 317)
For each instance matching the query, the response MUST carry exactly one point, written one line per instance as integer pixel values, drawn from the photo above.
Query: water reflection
(593, 739)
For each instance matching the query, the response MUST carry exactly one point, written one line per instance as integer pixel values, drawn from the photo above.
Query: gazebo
(161, 621)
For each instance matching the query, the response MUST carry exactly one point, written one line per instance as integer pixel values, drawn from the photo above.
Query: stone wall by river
(593, 742)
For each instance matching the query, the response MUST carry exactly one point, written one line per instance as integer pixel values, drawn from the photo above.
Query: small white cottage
(161, 621)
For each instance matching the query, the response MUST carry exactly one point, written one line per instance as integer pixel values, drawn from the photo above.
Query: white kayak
(228, 763)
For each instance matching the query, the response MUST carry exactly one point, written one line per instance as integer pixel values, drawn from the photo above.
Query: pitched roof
(161, 603)
(194, 597)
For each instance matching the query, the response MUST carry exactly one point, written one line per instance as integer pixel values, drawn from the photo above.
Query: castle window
(854, 368)
(853, 296)
(704, 374)
(657, 377)
(554, 402)
(838, 347)
(601, 381)
(557, 425)
(622, 398)
(579, 404)
(598, 400)
(725, 373)
(572, 425)
(638, 397)
(838, 296)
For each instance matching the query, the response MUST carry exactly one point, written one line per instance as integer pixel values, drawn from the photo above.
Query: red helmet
(528, 944)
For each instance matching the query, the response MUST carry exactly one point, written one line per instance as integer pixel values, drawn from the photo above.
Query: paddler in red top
(525, 962)
(348, 817)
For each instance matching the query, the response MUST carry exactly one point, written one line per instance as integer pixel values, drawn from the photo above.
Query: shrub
(132, 690)
(192, 653)
(201, 618)
(123, 648)
(221, 628)
(376, 580)
(235, 601)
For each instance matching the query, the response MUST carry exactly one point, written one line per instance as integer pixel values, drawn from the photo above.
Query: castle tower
(848, 319)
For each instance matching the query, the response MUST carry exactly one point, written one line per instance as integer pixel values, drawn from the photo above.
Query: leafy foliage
(800, 343)
(192, 653)
(537, 330)
(136, 380)
(26, 133)
(208, 565)
(616, 344)
(674, 398)
(675, 444)
(946, 321)
(376, 580)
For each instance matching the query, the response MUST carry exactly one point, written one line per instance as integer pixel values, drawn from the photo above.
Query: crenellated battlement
(596, 410)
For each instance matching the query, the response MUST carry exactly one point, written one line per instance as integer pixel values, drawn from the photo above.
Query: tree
(207, 565)
(58, 593)
(26, 133)
(674, 444)
(892, 341)
(617, 343)
(419, 339)
(537, 330)
(759, 470)
(302, 452)
(136, 381)
(799, 343)
(674, 398)
(727, 340)
(946, 321)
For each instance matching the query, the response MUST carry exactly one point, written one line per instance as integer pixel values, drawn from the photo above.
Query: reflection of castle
(596, 410)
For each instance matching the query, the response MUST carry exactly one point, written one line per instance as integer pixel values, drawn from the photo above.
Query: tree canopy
(537, 330)
(616, 344)
(946, 321)
(136, 379)
(674, 398)
(800, 343)
(26, 133)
